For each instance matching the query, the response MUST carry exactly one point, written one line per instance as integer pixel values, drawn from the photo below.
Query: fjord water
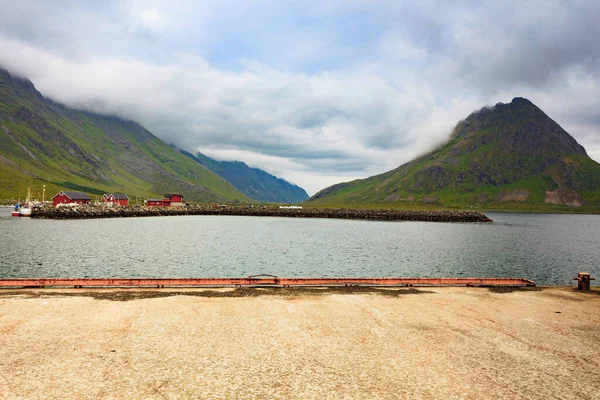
(549, 249)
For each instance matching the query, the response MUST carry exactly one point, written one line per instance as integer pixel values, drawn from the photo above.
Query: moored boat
(23, 210)
(16, 212)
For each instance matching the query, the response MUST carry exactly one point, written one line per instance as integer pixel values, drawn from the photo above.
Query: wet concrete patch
(137, 294)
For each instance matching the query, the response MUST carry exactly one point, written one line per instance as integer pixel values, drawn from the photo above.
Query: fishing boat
(16, 212)
(24, 209)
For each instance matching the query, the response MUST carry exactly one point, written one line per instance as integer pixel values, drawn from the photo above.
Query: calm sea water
(549, 249)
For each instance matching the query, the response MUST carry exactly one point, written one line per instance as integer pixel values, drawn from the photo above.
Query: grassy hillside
(42, 142)
(510, 156)
(253, 182)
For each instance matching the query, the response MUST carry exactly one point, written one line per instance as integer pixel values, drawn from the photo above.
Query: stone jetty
(84, 212)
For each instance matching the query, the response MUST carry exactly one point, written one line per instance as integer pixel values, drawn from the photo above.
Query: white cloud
(315, 92)
(321, 122)
(151, 18)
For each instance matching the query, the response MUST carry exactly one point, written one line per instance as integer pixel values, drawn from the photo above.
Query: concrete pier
(354, 343)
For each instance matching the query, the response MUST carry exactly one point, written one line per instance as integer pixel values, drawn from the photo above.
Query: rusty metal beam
(260, 280)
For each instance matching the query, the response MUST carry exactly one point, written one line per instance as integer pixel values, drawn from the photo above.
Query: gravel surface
(300, 343)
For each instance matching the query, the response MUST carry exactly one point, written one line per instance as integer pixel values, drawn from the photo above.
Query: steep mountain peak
(505, 152)
(521, 101)
(517, 107)
(519, 125)
(521, 104)
(19, 83)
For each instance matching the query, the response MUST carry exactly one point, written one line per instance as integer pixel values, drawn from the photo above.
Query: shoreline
(140, 293)
(93, 212)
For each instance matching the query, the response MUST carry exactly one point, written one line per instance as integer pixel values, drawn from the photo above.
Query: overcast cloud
(316, 92)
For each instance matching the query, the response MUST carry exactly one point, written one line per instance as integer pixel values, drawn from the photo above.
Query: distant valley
(253, 182)
(46, 143)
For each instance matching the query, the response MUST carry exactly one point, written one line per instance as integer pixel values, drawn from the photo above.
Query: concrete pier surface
(352, 343)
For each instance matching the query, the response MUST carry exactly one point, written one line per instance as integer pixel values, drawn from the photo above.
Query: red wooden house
(118, 199)
(170, 200)
(173, 199)
(154, 202)
(71, 198)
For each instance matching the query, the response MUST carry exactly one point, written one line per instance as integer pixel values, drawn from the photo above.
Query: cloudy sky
(316, 92)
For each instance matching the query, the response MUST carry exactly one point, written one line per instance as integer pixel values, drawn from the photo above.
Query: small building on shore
(117, 199)
(170, 200)
(154, 202)
(174, 199)
(70, 198)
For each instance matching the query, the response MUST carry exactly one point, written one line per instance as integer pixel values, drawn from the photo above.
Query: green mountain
(253, 182)
(506, 156)
(45, 143)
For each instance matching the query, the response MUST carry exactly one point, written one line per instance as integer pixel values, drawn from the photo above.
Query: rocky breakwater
(83, 212)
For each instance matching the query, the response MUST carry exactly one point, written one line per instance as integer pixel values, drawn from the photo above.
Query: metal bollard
(583, 280)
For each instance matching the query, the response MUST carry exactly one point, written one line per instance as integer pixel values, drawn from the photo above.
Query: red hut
(71, 198)
(173, 200)
(119, 199)
(170, 200)
(154, 202)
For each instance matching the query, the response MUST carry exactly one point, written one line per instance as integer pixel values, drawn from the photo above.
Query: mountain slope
(42, 142)
(509, 153)
(253, 182)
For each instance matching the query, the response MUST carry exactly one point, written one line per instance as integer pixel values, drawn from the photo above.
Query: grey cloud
(488, 45)
(314, 117)
(338, 88)
(279, 148)
(530, 51)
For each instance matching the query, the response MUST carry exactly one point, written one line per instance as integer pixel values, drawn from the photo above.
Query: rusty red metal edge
(263, 280)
